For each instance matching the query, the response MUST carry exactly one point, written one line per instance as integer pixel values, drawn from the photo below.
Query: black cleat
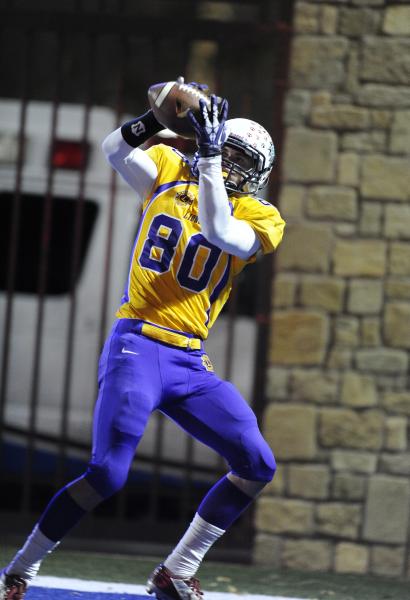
(165, 587)
(12, 587)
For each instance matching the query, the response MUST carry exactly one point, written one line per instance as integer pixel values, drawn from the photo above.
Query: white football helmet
(251, 139)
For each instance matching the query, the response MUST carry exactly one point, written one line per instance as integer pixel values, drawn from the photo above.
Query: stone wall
(338, 384)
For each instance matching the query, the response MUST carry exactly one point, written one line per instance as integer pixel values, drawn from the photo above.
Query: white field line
(81, 585)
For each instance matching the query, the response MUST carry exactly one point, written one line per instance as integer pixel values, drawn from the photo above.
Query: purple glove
(209, 126)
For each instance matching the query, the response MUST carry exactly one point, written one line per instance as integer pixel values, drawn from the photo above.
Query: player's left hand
(210, 127)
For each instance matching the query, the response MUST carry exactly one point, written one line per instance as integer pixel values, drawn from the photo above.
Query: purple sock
(223, 504)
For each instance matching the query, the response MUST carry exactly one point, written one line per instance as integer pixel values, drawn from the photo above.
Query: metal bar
(111, 205)
(42, 283)
(264, 308)
(78, 238)
(14, 235)
(102, 22)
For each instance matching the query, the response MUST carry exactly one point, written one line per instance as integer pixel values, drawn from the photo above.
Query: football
(170, 102)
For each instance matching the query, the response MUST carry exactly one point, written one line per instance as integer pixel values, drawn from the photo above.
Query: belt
(170, 337)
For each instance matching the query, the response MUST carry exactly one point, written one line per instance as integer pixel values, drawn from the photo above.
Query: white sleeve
(133, 164)
(218, 225)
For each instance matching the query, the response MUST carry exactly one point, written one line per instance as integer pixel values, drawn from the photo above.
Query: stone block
(399, 258)
(346, 331)
(332, 202)
(370, 218)
(338, 519)
(316, 59)
(357, 22)
(346, 428)
(370, 332)
(386, 96)
(365, 297)
(397, 20)
(307, 555)
(382, 360)
(355, 462)
(310, 156)
(309, 481)
(396, 314)
(312, 385)
(328, 20)
(345, 230)
(358, 390)
(368, 141)
(281, 515)
(385, 177)
(395, 464)
(387, 561)
(276, 487)
(348, 169)
(397, 289)
(299, 337)
(340, 116)
(306, 18)
(386, 60)
(400, 133)
(322, 292)
(387, 496)
(348, 487)
(297, 107)
(277, 383)
(397, 221)
(291, 431)
(360, 258)
(368, 2)
(339, 358)
(284, 290)
(351, 558)
(397, 402)
(291, 201)
(267, 550)
(305, 248)
(396, 433)
(381, 119)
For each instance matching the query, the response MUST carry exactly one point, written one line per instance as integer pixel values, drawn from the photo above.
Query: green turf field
(226, 577)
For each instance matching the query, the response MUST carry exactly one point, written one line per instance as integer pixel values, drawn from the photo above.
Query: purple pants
(138, 375)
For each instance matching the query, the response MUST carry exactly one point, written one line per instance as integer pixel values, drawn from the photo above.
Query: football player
(200, 224)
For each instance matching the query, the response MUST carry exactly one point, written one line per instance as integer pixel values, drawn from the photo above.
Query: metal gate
(72, 71)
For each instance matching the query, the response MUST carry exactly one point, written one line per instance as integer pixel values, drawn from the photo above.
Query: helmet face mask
(247, 157)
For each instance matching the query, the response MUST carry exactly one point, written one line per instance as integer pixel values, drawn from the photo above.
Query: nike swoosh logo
(124, 351)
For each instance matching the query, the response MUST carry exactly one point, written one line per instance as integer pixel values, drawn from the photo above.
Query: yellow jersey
(177, 279)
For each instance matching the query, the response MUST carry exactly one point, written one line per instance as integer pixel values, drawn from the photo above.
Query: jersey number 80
(163, 235)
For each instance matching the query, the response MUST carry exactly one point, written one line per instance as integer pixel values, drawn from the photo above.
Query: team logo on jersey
(207, 363)
(184, 198)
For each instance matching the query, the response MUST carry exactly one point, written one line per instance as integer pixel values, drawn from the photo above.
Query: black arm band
(139, 130)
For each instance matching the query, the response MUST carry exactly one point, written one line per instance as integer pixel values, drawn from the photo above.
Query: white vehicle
(98, 192)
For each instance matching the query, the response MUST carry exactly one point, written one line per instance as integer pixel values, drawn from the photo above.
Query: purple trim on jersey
(170, 184)
(162, 188)
(219, 287)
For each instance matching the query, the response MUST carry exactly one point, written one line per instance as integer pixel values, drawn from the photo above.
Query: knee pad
(254, 459)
